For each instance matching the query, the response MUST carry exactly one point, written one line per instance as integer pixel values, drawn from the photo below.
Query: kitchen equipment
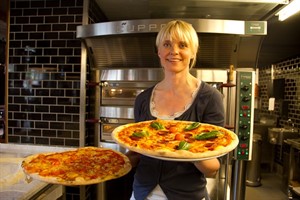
(253, 166)
(292, 178)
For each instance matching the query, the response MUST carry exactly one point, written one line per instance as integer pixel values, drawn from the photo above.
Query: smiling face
(177, 45)
(175, 55)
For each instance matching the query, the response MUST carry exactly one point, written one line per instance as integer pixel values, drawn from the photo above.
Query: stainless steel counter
(12, 179)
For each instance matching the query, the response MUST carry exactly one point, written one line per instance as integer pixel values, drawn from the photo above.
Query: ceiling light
(292, 8)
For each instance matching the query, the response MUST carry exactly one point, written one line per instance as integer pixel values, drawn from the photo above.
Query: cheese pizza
(176, 139)
(83, 166)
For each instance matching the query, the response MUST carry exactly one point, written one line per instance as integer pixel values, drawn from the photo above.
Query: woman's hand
(208, 167)
(133, 157)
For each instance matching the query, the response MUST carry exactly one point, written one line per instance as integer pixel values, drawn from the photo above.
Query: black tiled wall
(44, 72)
(290, 71)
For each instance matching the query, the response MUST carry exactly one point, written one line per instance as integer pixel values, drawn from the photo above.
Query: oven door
(122, 92)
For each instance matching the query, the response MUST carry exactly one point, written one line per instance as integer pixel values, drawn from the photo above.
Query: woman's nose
(174, 49)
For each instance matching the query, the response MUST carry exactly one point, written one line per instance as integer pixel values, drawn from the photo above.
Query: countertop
(13, 184)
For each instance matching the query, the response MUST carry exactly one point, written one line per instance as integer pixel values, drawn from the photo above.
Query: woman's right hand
(133, 157)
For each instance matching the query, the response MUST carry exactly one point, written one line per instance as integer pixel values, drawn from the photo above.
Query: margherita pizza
(176, 139)
(83, 166)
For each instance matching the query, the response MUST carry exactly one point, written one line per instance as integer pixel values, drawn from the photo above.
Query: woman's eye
(183, 45)
(167, 45)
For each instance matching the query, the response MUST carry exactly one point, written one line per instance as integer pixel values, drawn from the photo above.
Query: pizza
(176, 139)
(83, 166)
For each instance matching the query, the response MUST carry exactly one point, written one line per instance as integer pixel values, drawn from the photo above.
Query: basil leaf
(192, 126)
(157, 125)
(207, 135)
(183, 145)
(140, 134)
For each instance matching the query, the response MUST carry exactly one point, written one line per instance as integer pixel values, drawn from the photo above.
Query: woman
(178, 96)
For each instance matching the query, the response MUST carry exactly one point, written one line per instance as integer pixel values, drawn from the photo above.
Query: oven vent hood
(131, 44)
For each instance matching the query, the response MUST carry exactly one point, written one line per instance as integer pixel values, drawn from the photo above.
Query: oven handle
(109, 120)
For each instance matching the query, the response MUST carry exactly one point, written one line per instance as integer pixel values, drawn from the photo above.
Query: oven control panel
(244, 113)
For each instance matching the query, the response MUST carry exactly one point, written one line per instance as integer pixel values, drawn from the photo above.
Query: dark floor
(271, 189)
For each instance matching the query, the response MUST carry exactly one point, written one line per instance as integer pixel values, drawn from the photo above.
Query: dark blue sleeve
(142, 106)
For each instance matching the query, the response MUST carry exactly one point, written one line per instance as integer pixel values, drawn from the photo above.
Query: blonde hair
(183, 31)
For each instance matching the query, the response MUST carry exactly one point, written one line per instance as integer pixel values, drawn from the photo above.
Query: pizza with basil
(176, 139)
(83, 166)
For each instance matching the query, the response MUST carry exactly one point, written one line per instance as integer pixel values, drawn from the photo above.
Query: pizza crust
(177, 154)
(79, 180)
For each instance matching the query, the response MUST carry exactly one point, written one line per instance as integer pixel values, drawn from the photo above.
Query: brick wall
(44, 72)
(290, 71)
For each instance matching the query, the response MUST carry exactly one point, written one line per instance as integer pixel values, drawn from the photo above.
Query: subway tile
(20, 100)
(44, 11)
(20, 115)
(22, 4)
(65, 51)
(49, 117)
(71, 126)
(72, 93)
(16, 12)
(30, 12)
(72, 109)
(66, 19)
(13, 107)
(68, 3)
(65, 84)
(57, 125)
(21, 36)
(34, 100)
(50, 51)
(57, 109)
(57, 92)
(74, 43)
(53, 4)
(34, 132)
(64, 134)
(74, 143)
(67, 35)
(58, 59)
(43, 27)
(34, 116)
(36, 20)
(27, 108)
(65, 68)
(49, 100)
(49, 133)
(64, 117)
(22, 20)
(42, 108)
(18, 84)
(15, 28)
(73, 59)
(59, 27)
(75, 10)
(59, 43)
(38, 4)
(42, 140)
(56, 141)
(33, 36)
(40, 124)
(29, 28)
(27, 92)
(28, 43)
(27, 140)
(60, 11)
(43, 43)
(51, 19)
(51, 35)
(42, 92)
(43, 59)
(14, 75)
(49, 84)
(64, 101)
(14, 91)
